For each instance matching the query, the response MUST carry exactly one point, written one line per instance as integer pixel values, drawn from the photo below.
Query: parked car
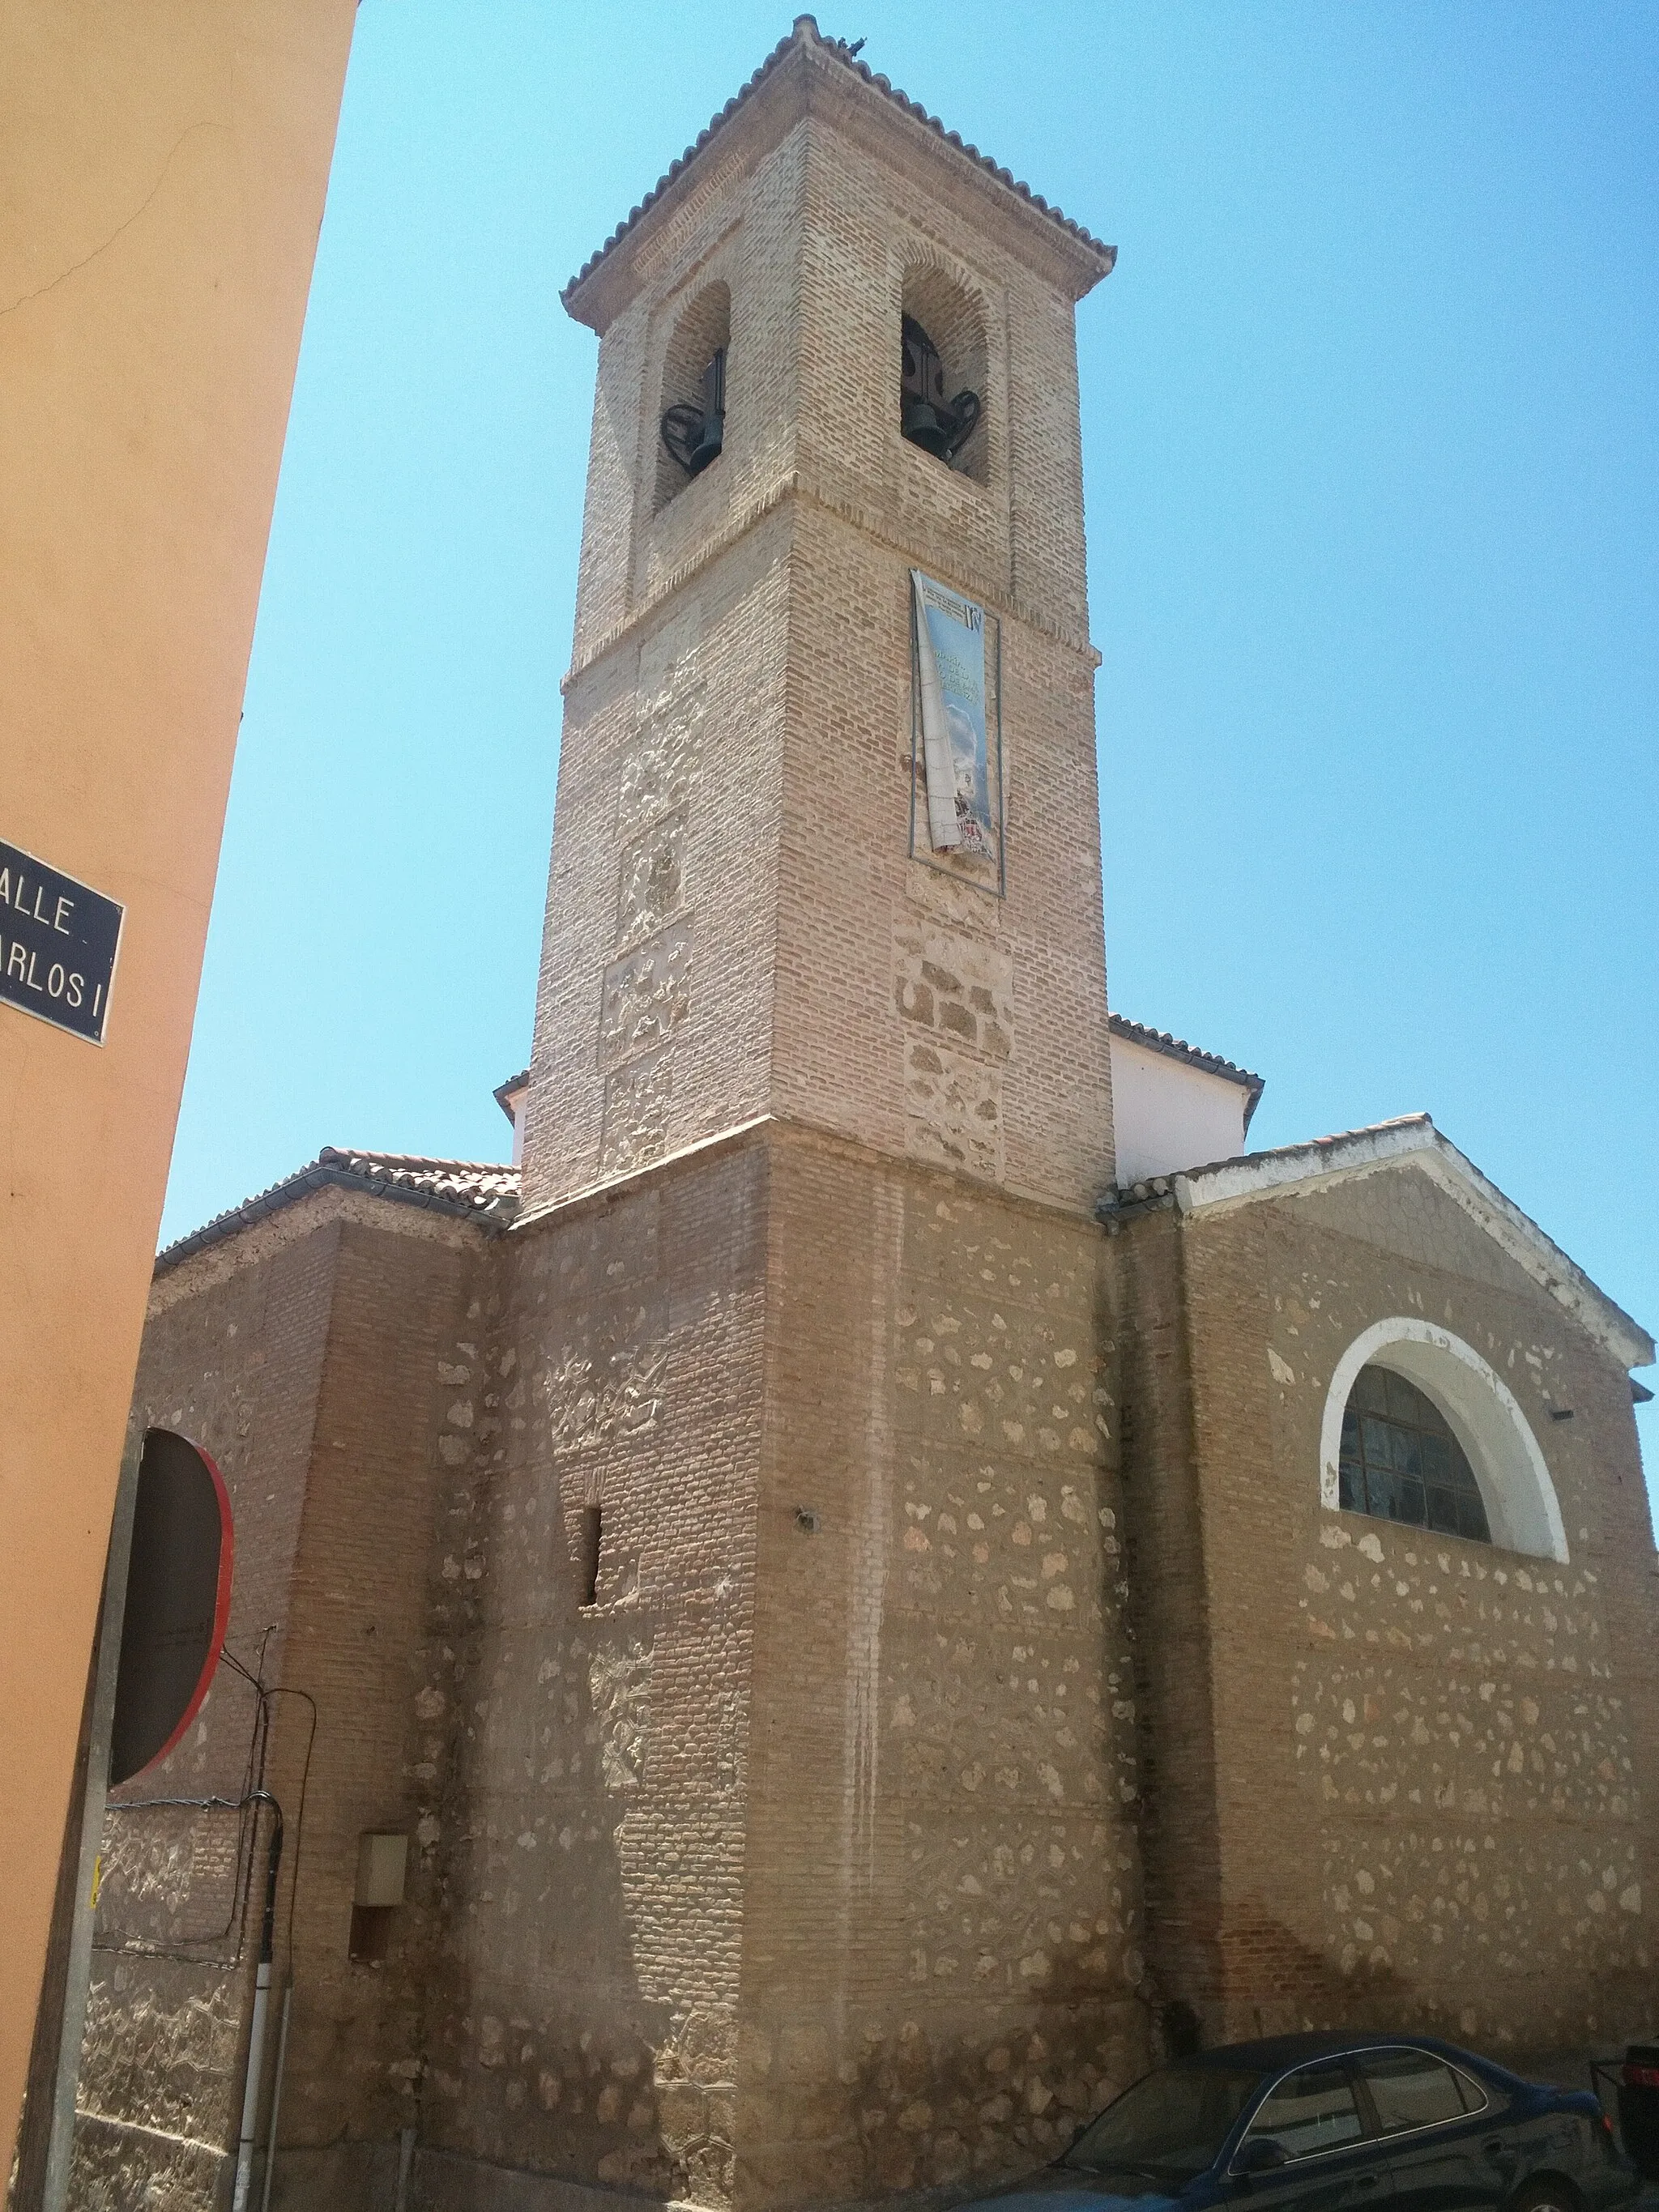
(1638, 2107)
(1337, 2123)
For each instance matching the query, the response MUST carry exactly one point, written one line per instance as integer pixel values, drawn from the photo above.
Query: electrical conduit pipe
(256, 2041)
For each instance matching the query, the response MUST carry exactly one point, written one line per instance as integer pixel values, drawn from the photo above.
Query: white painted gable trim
(1415, 1143)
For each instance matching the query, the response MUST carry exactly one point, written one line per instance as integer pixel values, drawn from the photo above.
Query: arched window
(1401, 1461)
(1448, 1392)
(691, 422)
(942, 374)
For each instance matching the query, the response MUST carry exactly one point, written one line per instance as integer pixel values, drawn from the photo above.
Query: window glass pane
(1472, 1520)
(1377, 1436)
(1174, 2122)
(1442, 1512)
(1475, 2098)
(1410, 2089)
(1380, 1486)
(1400, 1455)
(1314, 2109)
(1408, 1503)
(1370, 1389)
(1404, 1402)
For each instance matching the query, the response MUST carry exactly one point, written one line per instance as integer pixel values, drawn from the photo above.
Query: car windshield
(1171, 2125)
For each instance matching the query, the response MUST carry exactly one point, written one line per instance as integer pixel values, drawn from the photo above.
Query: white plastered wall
(1168, 1115)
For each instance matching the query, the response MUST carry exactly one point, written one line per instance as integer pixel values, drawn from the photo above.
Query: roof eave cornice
(330, 1170)
(806, 73)
(1415, 1142)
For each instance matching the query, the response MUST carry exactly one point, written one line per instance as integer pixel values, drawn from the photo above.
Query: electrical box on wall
(382, 1865)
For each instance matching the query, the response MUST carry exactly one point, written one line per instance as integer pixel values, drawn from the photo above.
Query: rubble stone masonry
(1461, 1738)
(307, 1356)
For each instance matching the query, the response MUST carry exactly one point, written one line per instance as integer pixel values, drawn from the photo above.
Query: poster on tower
(955, 711)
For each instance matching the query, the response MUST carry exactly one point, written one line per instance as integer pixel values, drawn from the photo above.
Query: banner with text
(950, 670)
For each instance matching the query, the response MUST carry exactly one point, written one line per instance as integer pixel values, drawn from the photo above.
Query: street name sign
(59, 940)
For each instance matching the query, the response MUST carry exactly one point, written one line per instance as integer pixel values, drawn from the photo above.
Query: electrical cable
(279, 1690)
(244, 1862)
(209, 1804)
(253, 1795)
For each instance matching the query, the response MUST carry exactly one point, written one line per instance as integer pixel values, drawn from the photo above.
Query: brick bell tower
(808, 1278)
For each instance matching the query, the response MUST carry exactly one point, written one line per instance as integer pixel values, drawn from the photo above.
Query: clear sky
(1372, 469)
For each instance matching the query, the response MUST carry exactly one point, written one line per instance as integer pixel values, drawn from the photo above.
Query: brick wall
(406, 1326)
(587, 1826)
(304, 1360)
(734, 906)
(235, 1369)
(943, 1934)
(1463, 1736)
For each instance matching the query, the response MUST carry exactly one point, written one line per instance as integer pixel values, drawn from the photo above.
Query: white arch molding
(1522, 1507)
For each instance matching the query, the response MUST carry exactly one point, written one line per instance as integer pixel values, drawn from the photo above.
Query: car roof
(1271, 2053)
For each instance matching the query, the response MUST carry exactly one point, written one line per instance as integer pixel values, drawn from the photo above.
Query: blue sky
(1372, 470)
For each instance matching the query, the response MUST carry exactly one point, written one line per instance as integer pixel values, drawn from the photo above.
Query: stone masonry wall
(236, 1370)
(1468, 1735)
(304, 1355)
(399, 1404)
(943, 1934)
(586, 1767)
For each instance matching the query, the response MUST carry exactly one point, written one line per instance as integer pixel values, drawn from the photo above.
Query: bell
(939, 426)
(923, 425)
(695, 433)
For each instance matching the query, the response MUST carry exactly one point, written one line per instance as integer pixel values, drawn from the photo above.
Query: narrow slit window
(592, 1522)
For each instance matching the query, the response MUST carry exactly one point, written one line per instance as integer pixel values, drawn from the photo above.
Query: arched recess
(1515, 1483)
(702, 331)
(954, 319)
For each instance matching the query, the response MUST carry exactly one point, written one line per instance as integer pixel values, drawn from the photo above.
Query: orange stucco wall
(163, 173)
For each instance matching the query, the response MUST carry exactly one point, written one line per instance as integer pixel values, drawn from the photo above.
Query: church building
(888, 1572)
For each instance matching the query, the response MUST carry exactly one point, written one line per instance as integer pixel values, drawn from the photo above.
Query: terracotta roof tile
(1160, 1188)
(805, 30)
(475, 1190)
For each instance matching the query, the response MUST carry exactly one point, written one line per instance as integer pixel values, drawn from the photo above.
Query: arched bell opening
(691, 420)
(943, 371)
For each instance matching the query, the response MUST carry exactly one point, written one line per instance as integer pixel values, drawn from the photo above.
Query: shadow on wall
(1275, 1983)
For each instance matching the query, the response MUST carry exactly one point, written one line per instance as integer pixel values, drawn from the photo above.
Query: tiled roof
(475, 1190)
(1309, 1157)
(806, 32)
(1175, 1047)
(1412, 1139)
(505, 1090)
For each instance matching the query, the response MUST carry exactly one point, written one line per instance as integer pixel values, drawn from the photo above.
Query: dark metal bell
(939, 426)
(923, 425)
(694, 434)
